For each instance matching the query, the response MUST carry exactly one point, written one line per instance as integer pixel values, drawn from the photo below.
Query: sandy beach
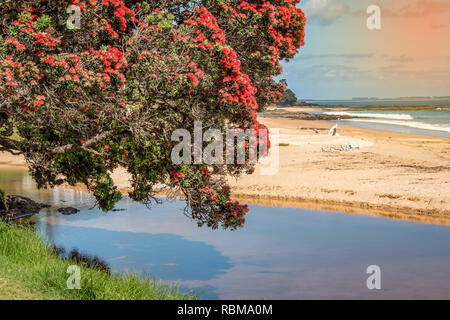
(394, 175)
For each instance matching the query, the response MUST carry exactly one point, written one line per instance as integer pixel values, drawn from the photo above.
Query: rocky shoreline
(16, 207)
(300, 115)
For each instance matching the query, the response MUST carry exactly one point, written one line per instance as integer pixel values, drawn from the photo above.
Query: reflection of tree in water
(165, 256)
(13, 181)
(75, 256)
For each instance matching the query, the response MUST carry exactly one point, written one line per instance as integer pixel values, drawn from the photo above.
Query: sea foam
(411, 124)
(392, 116)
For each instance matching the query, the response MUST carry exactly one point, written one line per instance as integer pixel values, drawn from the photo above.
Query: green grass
(30, 270)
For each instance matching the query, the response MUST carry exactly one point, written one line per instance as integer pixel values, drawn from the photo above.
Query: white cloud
(324, 11)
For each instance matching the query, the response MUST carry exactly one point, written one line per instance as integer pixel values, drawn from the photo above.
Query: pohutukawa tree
(78, 103)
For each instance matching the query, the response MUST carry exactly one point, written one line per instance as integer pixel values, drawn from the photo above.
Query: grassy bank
(30, 270)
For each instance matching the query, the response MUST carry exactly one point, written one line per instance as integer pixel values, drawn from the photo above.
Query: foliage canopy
(82, 102)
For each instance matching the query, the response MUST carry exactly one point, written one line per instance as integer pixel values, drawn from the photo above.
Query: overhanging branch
(84, 146)
(17, 147)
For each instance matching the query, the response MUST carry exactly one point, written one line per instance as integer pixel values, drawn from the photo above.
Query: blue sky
(342, 58)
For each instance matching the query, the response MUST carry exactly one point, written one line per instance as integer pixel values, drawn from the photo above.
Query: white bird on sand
(333, 130)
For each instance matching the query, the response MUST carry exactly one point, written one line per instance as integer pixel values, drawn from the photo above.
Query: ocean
(433, 122)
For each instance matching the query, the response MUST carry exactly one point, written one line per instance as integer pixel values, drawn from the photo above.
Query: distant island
(289, 99)
(384, 99)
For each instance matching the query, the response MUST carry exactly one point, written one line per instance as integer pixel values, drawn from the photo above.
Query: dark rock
(20, 208)
(68, 211)
(299, 115)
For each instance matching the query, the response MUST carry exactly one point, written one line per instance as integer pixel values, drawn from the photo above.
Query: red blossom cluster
(175, 176)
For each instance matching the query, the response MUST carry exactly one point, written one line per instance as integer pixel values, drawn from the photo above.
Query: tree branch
(85, 146)
(16, 147)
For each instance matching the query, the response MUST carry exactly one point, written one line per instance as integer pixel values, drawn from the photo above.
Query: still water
(280, 254)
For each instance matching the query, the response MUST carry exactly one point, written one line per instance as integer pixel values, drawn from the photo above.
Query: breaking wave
(392, 116)
(411, 124)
